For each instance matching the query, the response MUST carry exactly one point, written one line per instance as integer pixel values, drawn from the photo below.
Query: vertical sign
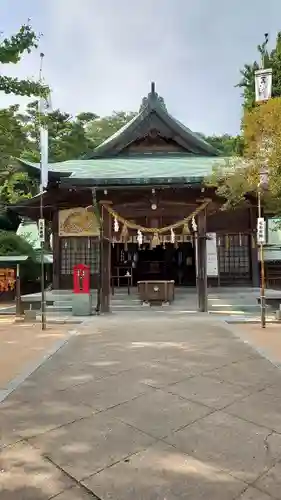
(263, 84)
(212, 254)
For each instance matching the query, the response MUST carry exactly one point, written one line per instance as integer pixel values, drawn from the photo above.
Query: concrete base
(82, 304)
(30, 315)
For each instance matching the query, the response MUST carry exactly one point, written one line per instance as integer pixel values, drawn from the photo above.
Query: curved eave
(34, 169)
(71, 182)
(30, 205)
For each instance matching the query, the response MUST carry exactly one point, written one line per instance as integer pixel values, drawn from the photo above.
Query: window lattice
(234, 255)
(79, 251)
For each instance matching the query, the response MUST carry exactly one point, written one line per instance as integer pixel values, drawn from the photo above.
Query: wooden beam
(56, 250)
(105, 261)
(202, 263)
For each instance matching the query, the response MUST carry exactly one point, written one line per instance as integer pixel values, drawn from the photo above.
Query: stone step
(59, 308)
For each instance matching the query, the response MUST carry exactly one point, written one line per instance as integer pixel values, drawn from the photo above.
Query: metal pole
(42, 240)
(262, 275)
(18, 293)
(43, 297)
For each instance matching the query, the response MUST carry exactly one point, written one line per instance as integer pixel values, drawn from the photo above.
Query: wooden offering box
(156, 291)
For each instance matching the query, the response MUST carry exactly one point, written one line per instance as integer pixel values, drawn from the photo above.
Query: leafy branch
(11, 51)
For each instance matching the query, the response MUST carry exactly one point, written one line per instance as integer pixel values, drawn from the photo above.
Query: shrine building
(138, 205)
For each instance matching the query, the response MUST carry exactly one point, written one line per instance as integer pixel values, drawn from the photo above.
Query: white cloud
(101, 55)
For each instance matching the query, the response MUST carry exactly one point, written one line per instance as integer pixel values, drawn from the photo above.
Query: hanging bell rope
(227, 242)
(185, 228)
(155, 240)
(124, 236)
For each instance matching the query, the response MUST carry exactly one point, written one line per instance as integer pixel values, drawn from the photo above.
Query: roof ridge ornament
(153, 99)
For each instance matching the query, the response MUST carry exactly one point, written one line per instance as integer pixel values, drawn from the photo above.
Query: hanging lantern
(116, 225)
(173, 236)
(140, 238)
(240, 239)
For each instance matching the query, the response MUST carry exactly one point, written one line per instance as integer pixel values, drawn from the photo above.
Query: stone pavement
(155, 408)
(22, 346)
(266, 340)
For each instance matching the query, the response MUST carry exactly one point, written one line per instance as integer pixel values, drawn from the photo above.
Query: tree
(261, 133)
(13, 184)
(227, 145)
(11, 52)
(12, 244)
(102, 128)
(271, 60)
(262, 139)
(67, 135)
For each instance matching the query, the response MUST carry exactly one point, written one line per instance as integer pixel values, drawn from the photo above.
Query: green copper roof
(135, 170)
(141, 170)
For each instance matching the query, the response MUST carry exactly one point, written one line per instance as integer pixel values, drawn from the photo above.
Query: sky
(101, 55)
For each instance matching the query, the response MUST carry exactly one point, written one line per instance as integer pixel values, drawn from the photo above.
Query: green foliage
(102, 128)
(11, 51)
(14, 185)
(271, 60)
(261, 139)
(227, 145)
(233, 182)
(12, 244)
(67, 135)
(69, 138)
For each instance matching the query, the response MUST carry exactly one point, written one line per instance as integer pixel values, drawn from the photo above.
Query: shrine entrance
(163, 262)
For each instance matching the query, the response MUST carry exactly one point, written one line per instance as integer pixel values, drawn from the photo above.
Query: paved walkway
(22, 347)
(158, 408)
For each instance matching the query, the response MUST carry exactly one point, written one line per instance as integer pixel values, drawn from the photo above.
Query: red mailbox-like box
(81, 278)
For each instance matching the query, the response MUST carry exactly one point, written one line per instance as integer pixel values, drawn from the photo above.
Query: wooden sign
(78, 222)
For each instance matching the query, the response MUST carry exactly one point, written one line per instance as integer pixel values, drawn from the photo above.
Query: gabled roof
(111, 164)
(152, 108)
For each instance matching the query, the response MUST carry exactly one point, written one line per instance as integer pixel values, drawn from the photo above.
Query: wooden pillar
(105, 260)
(56, 251)
(202, 263)
(254, 248)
